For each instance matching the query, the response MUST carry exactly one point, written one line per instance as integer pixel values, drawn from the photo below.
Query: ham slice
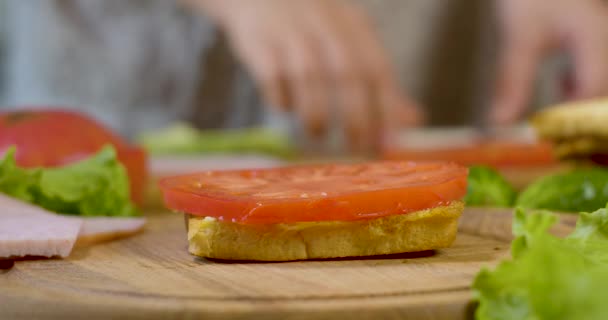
(28, 230)
(100, 229)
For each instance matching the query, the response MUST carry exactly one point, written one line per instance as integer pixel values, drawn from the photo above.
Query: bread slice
(580, 147)
(564, 121)
(417, 231)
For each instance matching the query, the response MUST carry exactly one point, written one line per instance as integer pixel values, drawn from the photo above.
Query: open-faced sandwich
(317, 212)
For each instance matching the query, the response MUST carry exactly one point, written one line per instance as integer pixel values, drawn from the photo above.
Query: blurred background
(140, 65)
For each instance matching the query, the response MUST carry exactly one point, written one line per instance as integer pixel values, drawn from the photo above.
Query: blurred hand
(308, 56)
(530, 30)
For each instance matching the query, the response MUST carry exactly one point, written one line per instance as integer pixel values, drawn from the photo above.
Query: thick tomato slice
(491, 153)
(51, 138)
(338, 192)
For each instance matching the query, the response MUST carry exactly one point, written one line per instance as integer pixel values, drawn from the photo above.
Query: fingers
(347, 89)
(358, 117)
(533, 27)
(289, 73)
(395, 110)
(589, 47)
(373, 106)
(516, 75)
(323, 56)
(308, 85)
(261, 59)
(351, 94)
(399, 112)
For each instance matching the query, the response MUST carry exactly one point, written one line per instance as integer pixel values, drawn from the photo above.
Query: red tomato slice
(495, 153)
(51, 138)
(316, 193)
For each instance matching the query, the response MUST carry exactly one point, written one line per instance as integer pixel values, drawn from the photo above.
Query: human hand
(530, 30)
(309, 56)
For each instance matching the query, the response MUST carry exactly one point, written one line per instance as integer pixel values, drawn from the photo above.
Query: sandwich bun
(423, 230)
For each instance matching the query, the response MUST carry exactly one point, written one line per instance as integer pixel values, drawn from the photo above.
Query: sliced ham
(28, 230)
(100, 229)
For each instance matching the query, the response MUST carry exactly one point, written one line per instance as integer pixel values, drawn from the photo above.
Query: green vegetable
(577, 190)
(549, 277)
(183, 139)
(97, 186)
(486, 187)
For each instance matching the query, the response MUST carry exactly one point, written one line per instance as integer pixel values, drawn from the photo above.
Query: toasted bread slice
(578, 119)
(417, 231)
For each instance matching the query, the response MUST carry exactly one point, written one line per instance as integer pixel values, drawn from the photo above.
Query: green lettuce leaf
(577, 190)
(549, 277)
(96, 186)
(486, 187)
(17, 182)
(184, 139)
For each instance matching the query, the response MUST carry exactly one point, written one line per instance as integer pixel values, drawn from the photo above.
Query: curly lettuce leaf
(96, 186)
(17, 182)
(486, 187)
(549, 277)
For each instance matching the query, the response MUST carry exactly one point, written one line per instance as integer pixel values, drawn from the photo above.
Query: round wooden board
(151, 276)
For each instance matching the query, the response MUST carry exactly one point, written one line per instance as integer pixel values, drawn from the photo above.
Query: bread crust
(417, 231)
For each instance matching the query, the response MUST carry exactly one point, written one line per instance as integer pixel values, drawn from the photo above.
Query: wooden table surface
(151, 276)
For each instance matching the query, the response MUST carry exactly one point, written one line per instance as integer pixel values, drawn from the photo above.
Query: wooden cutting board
(151, 276)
